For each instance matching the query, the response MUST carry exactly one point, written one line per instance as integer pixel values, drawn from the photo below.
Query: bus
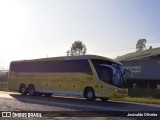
(88, 76)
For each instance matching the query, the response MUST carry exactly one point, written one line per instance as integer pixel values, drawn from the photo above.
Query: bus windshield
(120, 76)
(110, 73)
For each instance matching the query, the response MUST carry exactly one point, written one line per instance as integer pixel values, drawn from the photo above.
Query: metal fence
(3, 80)
(4, 86)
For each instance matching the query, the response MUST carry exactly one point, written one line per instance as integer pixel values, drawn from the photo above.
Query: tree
(77, 48)
(141, 44)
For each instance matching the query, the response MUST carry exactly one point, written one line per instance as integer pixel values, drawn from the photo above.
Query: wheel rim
(23, 90)
(31, 91)
(89, 94)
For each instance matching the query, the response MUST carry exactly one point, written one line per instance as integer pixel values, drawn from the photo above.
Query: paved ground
(71, 108)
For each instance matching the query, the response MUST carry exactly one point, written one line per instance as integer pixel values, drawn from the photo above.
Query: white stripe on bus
(63, 92)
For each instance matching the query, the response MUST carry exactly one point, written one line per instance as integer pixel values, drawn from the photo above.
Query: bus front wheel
(31, 90)
(90, 94)
(23, 89)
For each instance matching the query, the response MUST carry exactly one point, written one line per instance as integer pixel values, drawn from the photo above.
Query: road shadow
(113, 108)
(80, 101)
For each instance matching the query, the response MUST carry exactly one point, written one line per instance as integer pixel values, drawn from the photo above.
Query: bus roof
(71, 58)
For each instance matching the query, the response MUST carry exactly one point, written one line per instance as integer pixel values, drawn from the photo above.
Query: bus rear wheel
(23, 89)
(31, 90)
(90, 94)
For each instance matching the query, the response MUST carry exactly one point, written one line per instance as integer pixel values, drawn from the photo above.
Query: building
(151, 53)
(144, 67)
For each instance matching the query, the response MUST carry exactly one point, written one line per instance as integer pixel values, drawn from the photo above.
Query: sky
(32, 29)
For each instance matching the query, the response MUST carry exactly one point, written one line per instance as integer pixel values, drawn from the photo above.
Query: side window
(106, 74)
(52, 66)
(76, 66)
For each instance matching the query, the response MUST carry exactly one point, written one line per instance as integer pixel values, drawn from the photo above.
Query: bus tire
(23, 89)
(31, 90)
(104, 99)
(90, 94)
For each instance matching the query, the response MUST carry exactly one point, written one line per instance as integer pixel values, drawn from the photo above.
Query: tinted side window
(68, 66)
(52, 66)
(106, 74)
(97, 66)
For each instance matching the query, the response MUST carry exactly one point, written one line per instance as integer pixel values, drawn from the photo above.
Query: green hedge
(3, 84)
(143, 92)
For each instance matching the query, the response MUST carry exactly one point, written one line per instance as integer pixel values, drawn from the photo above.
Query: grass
(138, 100)
(3, 86)
(3, 89)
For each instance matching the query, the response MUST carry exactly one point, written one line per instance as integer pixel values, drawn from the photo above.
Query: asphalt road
(72, 106)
